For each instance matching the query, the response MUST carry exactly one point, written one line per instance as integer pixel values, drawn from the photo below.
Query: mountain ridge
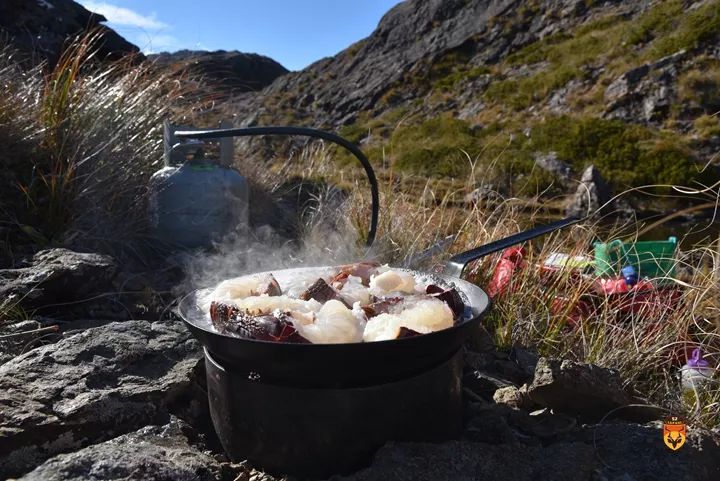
(635, 81)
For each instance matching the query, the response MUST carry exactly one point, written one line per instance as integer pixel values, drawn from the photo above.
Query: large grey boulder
(153, 452)
(549, 162)
(645, 92)
(577, 388)
(59, 279)
(90, 387)
(593, 194)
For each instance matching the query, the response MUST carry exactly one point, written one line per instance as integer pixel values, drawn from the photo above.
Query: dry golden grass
(648, 346)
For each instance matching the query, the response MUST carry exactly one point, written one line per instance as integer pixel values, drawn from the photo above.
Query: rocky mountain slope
(231, 71)
(628, 86)
(40, 28)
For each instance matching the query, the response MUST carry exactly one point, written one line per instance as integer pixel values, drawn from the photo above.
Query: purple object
(630, 275)
(696, 360)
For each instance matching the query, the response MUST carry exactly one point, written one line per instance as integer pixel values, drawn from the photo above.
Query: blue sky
(293, 32)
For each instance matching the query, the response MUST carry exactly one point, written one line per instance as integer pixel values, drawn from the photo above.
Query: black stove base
(318, 432)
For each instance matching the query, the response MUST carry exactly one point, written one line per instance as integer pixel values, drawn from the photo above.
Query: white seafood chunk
(354, 291)
(334, 323)
(423, 316)
(382, 328)
(392, 281)
(238, 288)
(426, 315)
(259, 305)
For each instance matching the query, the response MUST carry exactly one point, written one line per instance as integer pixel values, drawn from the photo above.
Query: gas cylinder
(196, 201)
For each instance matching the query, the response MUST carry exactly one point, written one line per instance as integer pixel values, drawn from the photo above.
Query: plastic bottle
(695, 372)
(630, 275)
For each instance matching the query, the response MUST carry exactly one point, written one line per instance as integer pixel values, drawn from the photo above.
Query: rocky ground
(88, 391)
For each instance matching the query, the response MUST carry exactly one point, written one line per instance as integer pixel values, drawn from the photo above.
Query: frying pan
(345, 365)
(353, 364)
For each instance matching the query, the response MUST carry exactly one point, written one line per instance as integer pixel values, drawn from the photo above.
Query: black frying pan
(356, 364)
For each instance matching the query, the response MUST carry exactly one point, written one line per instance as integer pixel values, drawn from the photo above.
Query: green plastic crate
(651, 259)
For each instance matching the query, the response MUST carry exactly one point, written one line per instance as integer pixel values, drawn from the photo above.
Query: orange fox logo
(674, 433)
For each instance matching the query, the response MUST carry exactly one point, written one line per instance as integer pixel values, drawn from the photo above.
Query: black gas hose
(307, 132)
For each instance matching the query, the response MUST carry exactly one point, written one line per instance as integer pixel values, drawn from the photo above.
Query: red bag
(510, 261)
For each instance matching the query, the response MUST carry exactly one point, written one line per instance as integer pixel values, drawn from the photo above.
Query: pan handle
(456, 265)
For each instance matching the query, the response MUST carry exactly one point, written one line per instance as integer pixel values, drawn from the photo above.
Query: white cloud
(123, 16)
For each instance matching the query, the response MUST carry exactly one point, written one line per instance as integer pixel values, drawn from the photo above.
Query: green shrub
(701, 87)
(451, 80)
(707, 126)
(353, 132)
(434, 147)
(628, 155)
(657, 21)
(524, 92)
(438, 160)
(698, 27)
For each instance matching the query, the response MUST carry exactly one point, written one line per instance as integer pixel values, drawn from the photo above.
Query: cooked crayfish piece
(221, 312)
(364, 270)
(270, 327)
(382, 306)
(451, 297)
(320, 291)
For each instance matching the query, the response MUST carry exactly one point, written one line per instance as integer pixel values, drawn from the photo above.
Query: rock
(510, 396)
(576, 388)
(525, 360)
(462, 460)
(550, 163)
(232, 71)
(637, 452)
(623, 86)
(91, 387)
(19, 337)
(558, 101)
(484, 193)
(491, 427)
(57, 279)
(645, 92)
(487, 372)
(500, 423)
(40, 28)
(592, 195)
(483, 384)
(153, 452)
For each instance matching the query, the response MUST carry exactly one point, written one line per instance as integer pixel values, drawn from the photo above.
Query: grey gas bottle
(195, 201)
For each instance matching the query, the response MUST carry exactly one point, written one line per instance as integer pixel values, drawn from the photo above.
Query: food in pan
(360, 302)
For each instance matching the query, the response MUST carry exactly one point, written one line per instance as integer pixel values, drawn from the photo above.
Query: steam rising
(327, 238)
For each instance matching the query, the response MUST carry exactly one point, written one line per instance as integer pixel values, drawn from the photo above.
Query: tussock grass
(81, 141)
